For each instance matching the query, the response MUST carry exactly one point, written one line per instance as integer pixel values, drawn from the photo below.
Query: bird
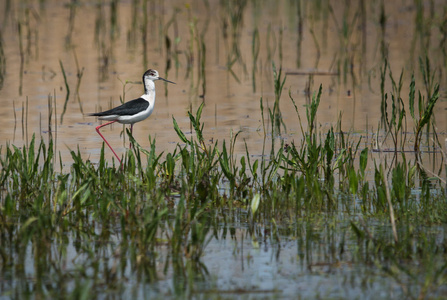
(132, 111)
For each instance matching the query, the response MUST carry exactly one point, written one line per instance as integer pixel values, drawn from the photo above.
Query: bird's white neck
(149, 86)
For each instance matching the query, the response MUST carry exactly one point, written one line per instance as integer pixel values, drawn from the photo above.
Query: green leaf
(428, 112)
(196, 123)
(28, 223)
(170, 164)
(255, 167)
(255, 203)
(199, 112)
(224, 163)
(180, 133)
(353, 181)
(363, 160)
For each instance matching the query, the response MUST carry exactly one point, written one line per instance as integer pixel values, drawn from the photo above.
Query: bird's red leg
(97, 130)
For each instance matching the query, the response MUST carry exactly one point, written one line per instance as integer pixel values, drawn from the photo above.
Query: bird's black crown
(150, 72)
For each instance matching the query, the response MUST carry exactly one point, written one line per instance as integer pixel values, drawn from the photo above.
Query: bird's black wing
(126, 109)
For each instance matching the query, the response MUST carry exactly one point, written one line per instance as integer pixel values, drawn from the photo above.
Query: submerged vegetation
(365, 210)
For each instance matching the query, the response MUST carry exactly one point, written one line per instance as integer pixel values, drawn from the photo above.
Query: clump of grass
(394, 122)
(276, 115)
(425, 108)
(425, 112)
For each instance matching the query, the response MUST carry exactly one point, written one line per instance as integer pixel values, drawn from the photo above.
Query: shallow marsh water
(221, 53)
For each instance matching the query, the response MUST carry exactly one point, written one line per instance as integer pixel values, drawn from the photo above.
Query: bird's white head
(153, 75)
(149, 77)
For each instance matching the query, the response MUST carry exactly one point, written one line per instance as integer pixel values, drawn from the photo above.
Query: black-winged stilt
(133, 111)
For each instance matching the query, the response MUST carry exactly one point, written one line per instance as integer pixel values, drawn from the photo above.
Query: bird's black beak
(166, 80)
